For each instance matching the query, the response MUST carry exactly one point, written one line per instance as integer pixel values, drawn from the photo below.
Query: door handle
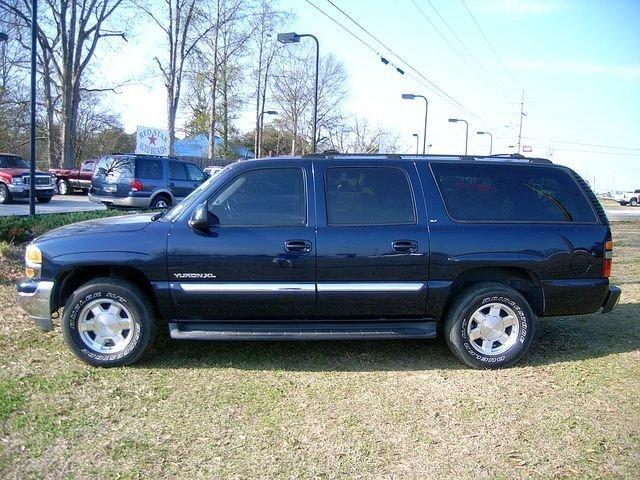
(297, 246)
(171, 184)
(405, 246)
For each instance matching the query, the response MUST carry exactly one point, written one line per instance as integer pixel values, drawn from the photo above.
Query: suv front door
(257, 259)
(373, 245)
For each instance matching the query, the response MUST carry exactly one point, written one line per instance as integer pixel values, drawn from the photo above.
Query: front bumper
(22, 191)
(134, 202)
(34, 297)
(613, 297)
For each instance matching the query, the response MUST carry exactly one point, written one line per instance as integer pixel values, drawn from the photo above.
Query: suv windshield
(11, 161)
(115, 168)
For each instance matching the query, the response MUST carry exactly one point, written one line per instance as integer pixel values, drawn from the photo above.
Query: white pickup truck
(629, 198)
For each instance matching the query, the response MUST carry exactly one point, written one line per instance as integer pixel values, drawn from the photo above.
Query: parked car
(15, 181)
(68, 180)
(335, 247)
(212, 171)
(143, 181)
(630, 198)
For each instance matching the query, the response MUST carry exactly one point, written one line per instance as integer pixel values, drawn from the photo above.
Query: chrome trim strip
(247, 287)
(371, 287)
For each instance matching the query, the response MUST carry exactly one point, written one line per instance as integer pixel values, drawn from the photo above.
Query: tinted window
(151, 169)
(368, 196)
(511, 193)
(177, 171)
(11, 161)
(274, 197)
(195, 173)
(115, 168)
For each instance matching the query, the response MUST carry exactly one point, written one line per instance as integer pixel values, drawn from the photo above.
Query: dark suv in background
(143, 181)
(335, 247)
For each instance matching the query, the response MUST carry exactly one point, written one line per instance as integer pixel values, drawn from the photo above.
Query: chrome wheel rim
(62, 187)
(3, 193)
(161, 204)
(493, 329)
(106, 326)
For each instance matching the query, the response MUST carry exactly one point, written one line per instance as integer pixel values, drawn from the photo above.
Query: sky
(578, 62)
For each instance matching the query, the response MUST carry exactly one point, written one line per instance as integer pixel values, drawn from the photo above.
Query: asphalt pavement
(58, 204)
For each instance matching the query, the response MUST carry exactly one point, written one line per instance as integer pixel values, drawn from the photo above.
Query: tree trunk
(171, 119)
(225, 112)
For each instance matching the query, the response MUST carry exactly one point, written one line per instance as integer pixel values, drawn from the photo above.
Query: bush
(20, 229)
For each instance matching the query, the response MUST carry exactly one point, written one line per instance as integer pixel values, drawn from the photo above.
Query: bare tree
(356, 135)
(70, 43)
(183, 31)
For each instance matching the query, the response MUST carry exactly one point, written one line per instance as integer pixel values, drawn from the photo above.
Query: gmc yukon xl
(335, 247)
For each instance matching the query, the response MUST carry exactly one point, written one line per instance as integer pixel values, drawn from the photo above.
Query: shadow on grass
(560, 339)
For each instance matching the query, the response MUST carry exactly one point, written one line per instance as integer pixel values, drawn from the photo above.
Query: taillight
(608, 259)
(136, 185)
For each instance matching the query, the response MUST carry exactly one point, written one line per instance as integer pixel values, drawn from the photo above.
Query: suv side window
(177, 171)
(264, 197)
(368, 196)
(511, 193)
(88, 166)
(148, 168)
(195, 173)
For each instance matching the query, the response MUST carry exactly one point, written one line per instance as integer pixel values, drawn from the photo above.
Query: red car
(14, 180)
(68, 180)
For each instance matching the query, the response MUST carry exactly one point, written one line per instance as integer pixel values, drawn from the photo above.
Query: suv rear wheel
(63, 186)
(633, 202)
(160, 201)
(489, 325)
(108, 324)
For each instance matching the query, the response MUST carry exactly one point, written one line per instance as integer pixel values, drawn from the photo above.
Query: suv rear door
(372, 240)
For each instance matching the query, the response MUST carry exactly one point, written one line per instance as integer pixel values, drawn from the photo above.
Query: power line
(462, 44)
(583, 144)
(432, 86)
(489, 43)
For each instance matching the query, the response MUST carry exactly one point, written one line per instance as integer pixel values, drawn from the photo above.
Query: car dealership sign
(152, 141)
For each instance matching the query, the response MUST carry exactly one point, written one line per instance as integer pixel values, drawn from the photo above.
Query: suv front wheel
(489, 325)
(108, 324)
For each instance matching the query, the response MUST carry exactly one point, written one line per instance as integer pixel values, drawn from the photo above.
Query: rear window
(510, 193)
(115, 168)
(368, 196)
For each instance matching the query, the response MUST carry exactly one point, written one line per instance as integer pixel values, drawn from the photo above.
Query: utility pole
(522, 114)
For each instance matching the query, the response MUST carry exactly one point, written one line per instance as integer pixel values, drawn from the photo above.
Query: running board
(301, 330)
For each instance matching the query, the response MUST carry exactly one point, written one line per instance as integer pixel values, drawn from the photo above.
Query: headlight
(33, 261)
(17, 181)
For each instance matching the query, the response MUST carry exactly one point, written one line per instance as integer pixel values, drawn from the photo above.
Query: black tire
(633, 202)
(63, 186)
(5, 194)
(459, 323)
(160, 201)
(44, 199)
(136, 308)
(622, 203)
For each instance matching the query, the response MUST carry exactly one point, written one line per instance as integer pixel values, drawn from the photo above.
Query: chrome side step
(301, 330)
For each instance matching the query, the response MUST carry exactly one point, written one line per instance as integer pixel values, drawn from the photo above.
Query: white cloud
(625, 72)
(522, 7)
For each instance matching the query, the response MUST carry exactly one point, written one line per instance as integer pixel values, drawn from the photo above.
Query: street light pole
(417, 142)
(466, 135)
(32, 166)
(260, 121)
(411, 96)
(490, 140)
(292, 37)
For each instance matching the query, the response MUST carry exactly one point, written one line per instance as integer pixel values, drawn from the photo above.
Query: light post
(411, 96)
(32, 169)
(466, 136)
(417, 142)
(490, 141)
(260, 123)
(292, 37)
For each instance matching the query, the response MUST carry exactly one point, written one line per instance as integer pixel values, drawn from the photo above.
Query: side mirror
(200, 217)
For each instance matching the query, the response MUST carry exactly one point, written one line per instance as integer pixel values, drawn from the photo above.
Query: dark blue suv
(335, 247)
(143, 181)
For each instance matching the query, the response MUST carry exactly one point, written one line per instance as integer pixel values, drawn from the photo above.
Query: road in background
(59, 204)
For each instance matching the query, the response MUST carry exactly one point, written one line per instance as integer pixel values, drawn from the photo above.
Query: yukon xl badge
(194, 275)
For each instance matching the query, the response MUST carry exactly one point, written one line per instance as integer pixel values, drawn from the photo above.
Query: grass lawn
(385, 409)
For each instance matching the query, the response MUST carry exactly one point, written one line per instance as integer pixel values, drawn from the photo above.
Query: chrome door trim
(246, 287)
(371, 287)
